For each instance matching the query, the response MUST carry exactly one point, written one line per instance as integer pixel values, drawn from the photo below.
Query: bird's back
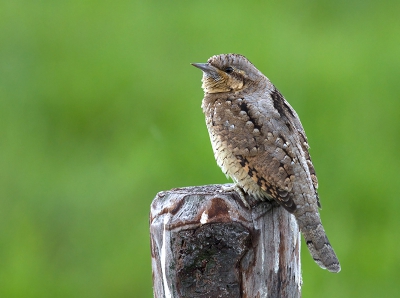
(258, 140)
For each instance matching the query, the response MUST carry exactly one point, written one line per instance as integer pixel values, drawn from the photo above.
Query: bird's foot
(239, 191)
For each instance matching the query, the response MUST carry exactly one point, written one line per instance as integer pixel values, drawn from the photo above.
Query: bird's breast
(234, 134)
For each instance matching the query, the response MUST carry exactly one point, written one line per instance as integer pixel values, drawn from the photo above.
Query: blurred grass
(100, 110)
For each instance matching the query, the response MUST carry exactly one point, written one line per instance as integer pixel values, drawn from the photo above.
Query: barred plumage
(258, 140)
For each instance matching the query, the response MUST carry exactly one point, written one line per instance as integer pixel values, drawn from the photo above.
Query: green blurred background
(100, 110)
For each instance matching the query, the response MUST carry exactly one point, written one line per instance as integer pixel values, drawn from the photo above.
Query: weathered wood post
(206, 243)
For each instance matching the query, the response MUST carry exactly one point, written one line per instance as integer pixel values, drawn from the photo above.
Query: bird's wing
(290, 114)
(275, 150)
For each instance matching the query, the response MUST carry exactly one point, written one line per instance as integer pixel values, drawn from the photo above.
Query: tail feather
(319, 245)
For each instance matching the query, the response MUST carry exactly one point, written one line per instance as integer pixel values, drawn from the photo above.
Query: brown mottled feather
(258, 140)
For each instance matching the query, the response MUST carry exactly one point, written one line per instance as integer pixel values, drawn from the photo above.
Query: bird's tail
(318, 243)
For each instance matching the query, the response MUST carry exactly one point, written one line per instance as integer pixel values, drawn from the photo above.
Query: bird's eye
(228, 69)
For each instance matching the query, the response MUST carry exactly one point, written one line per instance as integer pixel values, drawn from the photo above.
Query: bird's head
(228, 73)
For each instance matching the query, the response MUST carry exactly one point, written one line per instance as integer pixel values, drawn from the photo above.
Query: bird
(259, 141)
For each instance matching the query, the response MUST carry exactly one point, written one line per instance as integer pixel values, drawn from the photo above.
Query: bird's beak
(203, 66)
(208, 69)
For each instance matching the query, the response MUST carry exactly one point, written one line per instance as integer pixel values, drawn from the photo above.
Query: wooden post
(206, 243)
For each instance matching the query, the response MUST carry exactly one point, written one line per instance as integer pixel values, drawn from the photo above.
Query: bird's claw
(238, 190)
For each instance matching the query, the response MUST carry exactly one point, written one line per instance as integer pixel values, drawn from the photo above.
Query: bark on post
(206, 243)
